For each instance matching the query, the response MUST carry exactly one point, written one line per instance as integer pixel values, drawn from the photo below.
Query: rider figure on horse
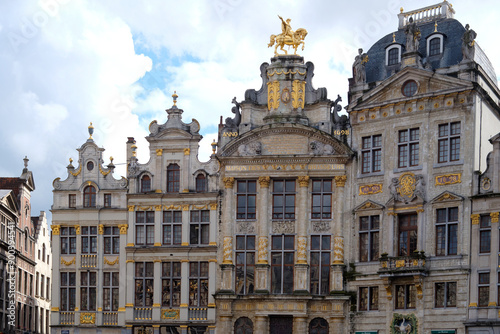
(286, 28)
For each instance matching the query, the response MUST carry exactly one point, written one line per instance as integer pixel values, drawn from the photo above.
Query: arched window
(26, 240)
(435, 46)
(43, 253)
(201, 183)
(89, 197)
(318, 326)
(243, 326)
(393, 56)
(173, 177)
(145, 184)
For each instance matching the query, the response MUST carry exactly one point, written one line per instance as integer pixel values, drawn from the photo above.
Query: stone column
(183, 311)
(130, 293)
(300, 325)
(301, 265)
(158, 226)
(336, 283)
(262, 265)
(227, 265)
(123, 278)
(100, 265)
(261, 324)
(336, 326)
(156, 290)
(78, 264)
(55, 293)
(492, 311)
(224, 326)
(185, 225)
(131, 232)
(185, 175)
(157, 182)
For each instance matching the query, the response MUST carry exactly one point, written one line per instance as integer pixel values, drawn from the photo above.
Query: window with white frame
(393, 55)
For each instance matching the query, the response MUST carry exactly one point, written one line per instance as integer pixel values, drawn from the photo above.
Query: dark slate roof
(11, 183)
(452, 30)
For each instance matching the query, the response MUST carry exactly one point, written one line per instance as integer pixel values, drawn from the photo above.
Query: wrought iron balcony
(110, 318)
(67, 318)
(197, 313)
(402, 265)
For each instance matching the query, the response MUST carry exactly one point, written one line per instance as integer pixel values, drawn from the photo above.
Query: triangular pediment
(428, 83)
(447, 197)
(285, 139)
(369, 205)
(8, 200)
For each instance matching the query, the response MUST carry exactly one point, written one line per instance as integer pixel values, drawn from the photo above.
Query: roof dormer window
(393, 55)
(435, 44)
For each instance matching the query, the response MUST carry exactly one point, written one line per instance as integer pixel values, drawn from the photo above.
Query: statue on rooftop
(413, 36)
(358, 68)
(468, 43)
(288, 37)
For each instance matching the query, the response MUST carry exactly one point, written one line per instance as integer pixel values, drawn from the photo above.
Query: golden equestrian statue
(288, 37)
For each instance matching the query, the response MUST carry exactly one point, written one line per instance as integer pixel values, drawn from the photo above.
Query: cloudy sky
(66, 63)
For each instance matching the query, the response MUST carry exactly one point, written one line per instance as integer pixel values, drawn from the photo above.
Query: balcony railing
(402, 265)
(110, 318)
(197, 313)
(143, 313)
(67, 318)
(89, 261)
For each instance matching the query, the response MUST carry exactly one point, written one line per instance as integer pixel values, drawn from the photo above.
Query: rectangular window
(107, 200)
(408, 148)
(89, 239)
(282, 260)
(245, 264)
(483, 289)
(68, 291)
(368, 298)
(144, 279)
(72, 200)
(198, 284)
(407, 234)
(369, 238)
(447, 231)
(321, 199)
(172, 227)
(42, 285)
(284, 199)
(449, 142)
(199, 227)
(320, 264)
(48, 289)
(445, 294)
(111, 291)
(111, 240)
(88, 283)
(170, 284)
(371, 154)
(485, 234)
(173, 178)
(246, 193)
(406, 296)
(68, 240)
(37, 283)
(144, 227)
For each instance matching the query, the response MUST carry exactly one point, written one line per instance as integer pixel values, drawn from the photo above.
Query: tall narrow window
(48, 289)
(246, 194)
(68, 291)
(282, 257)
(483, 289)
(201, 183)
(88, 283)
(434, 46)
(447, 231)
(72, 200)
(173, 178)
(320, 264)
(42, 286)
(199, 227)
(144, 227)
(321, 199)
(89, 239)
(449, 142)
(245, 264)
(198, 284)
(408, 148)
(371, 154)
(170, 284)
(37, 283)
(368, 298)
(89, 197)
(68, 240)
(393, 56)
(445, 294)
(145, 184)
(111, 240)
(485, 234)
(144, 278)
(407, 234)
(369, 238)
(284, 199)
(172, 227)
(406, 296)
(111, 291)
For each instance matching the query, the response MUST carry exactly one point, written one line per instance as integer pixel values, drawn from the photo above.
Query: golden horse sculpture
(288, 37)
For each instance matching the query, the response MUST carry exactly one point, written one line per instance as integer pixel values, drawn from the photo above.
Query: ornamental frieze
(280, 227)
(245, 227)
(407, 187)
(442, 180)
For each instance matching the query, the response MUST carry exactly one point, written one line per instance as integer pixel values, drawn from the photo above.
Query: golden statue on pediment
(288, 37)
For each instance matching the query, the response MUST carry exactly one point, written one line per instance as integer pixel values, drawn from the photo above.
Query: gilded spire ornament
(288, 37)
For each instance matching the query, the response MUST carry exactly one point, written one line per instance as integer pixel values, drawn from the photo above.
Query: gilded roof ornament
(91, 130)
(288, 37)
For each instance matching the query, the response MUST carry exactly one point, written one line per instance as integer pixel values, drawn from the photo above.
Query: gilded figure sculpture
(288, 37)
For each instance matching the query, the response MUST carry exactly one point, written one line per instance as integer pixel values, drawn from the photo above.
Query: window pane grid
(199, 227)
(369, 238)
(434, 46)
(283, 199)
(144, 227)
(447, 231)
(144, 278)
(408, 148)
(449, 142)
(321, 199)
(172, 228)
(245, 264)
(246, 199)
(171, 284)
(371, 154)
(198, 284)
(320, 255)
(393, 56)
(282, 264)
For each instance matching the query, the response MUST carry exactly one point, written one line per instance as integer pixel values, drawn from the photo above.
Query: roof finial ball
(175, 96)
(91, 130)
(401, 9)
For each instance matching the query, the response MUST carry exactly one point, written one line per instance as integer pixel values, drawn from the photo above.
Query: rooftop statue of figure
(468, 42)
(413, 36)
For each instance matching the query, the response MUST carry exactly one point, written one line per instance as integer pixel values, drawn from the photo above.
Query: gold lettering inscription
(283, 167)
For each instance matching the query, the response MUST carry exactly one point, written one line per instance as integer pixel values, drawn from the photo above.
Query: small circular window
(409, 88)
(90, 165)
